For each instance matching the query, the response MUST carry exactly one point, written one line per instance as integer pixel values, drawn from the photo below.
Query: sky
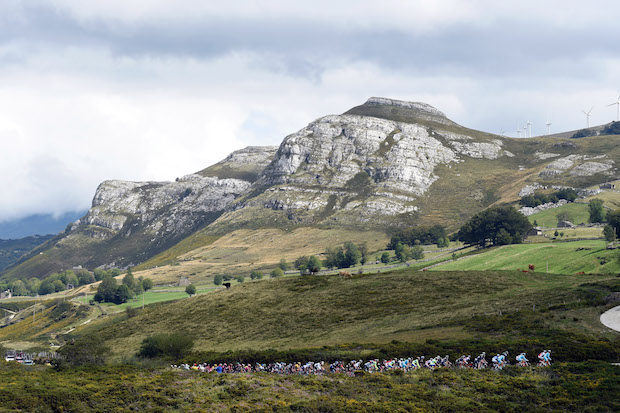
(153, 90)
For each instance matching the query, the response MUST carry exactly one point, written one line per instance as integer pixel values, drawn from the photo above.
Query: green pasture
(577, 214)
(562, 258)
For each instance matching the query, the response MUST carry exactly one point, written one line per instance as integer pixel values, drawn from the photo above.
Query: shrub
(256, 275)
(277, 273)
(85, 350)
(240, 278)
(385, 257)
(175, 346)
(190, 289)
(218, 279)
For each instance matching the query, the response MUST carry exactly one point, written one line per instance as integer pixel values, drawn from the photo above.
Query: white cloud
(152, 90)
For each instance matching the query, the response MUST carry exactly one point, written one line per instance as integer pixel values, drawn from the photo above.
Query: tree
(107, 288)
(240, 278)
(277, 273)
(352, 254)
(99, 273)
(503, 237)
(486, 226)
(314, 264)
(385, 257)
(71, 279)
(46, 287)
(403, 252)
(122, 294)
(417, 252)
(218, 279)
(301, 264)
(364, 251)
(613, 217)
(443, 242)
(597, 213)
(610, 233)
(58, 286)
(283, 265)
(147, 284)
(256, 275)
(84, 277)
(190, 289)
(556, 233)
(561, 216)
(335, 257)
(18, 287)
(129, 279)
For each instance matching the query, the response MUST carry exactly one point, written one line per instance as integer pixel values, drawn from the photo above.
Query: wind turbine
(529, 126)
(548, 127)
(525, 130)
(617, 103)
(588, 116)
(518, 131)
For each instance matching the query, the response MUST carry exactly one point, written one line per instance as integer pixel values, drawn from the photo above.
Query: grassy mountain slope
(13, 249)
(562, 257)
(303, 312)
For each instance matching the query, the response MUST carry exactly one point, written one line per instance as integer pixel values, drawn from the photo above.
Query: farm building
(607, 186)
(534, 232)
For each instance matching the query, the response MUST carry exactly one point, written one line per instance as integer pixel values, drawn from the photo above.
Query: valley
(352, 184)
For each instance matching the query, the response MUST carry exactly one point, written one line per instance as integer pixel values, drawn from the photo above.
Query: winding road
(611, 318)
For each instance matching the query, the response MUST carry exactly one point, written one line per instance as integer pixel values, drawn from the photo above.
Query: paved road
(611, 318)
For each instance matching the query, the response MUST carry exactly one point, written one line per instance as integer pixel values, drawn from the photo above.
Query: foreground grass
(562, 257)
(590, 386)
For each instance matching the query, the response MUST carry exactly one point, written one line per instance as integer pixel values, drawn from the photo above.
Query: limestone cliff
(380, 165)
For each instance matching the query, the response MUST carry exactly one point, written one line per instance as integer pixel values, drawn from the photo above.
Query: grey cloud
(305, 48)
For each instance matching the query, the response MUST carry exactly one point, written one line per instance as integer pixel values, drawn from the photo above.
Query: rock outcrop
(384, 164)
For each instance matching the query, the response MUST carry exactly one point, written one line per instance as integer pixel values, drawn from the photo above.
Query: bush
(190, 289)
(283, 265)
(85, 350)
(385, 257)
(277, 273)
(147, 284)
(218, 279)
(174, 346)
(256, 275)
(240, 278)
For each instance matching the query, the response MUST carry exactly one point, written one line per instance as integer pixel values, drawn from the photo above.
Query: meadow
(590, 256)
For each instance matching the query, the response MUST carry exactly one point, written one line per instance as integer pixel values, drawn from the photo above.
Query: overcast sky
(152, 90)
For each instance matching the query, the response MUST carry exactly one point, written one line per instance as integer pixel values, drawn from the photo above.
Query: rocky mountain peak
(400, 111)
(417, 106)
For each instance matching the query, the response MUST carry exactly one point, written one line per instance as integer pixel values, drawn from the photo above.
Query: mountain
(12, 249)
(38, 224)
(382, 165)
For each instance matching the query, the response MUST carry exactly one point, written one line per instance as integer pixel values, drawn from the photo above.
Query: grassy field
(577, 214)
(611, 199)
(296, 312)
(241, 251)
(562, 258)
(565, 387)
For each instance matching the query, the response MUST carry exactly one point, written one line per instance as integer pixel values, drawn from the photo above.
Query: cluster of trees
(423, 235)
(539, 198)
(110, 291)
(306, 265)
(56, 282)
(404, 252)
(346, 256)
(495, 226)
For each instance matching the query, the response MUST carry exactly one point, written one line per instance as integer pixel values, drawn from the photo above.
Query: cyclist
(522, 360)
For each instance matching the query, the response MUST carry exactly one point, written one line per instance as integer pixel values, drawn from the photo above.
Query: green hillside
(562, 258)
(301, 312)
(577, 213)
